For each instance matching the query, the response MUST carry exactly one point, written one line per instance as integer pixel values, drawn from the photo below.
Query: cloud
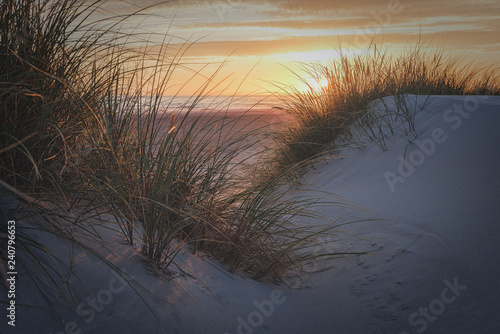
(259, 28)
(364, 7)
(352, 23)
(307, 13)
(464, 40)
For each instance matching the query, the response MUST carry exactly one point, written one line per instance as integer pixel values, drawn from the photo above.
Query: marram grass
(83, 127)
(327, 116)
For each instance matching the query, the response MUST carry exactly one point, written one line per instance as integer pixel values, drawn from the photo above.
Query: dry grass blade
(324, 116)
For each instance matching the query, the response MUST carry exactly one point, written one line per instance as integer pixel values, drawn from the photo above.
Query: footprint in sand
(356, 290)
(362, 278)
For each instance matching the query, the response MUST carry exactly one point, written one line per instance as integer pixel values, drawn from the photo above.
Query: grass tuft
(84, 125)
(327, 116)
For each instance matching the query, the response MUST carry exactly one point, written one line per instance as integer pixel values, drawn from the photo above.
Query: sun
(317, 84)
(323, 83)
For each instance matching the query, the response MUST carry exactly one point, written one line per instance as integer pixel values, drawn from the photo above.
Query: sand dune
(433, 266)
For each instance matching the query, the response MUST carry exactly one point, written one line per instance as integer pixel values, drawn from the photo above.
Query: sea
(220, 103)
(255, 116)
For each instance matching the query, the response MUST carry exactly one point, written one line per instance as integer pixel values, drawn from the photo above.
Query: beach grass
(89, 143)
(327, 116)
(85, 135)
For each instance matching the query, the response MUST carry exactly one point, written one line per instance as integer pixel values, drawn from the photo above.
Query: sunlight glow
(315, 85)
(308, 56)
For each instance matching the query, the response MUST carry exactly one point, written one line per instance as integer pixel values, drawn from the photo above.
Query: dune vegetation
(84, 133)
(329, 115)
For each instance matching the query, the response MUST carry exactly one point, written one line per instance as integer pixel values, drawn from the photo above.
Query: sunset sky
(271, 35)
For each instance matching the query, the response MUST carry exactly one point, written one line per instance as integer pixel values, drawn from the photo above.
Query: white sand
(434, 266)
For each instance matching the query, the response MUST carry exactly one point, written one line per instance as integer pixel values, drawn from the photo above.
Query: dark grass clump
(324, 115)
(84, 127)
(43, 70)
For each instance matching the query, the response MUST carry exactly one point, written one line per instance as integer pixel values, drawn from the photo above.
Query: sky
(260, 42)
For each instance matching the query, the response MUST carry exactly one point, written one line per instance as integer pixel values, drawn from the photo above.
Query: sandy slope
(434, 266)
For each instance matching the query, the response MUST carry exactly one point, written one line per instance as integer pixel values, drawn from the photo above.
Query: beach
(430, 229)
(249, 167)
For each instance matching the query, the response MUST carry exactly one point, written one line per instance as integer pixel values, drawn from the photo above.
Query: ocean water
(217, 103)
(264, 118)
